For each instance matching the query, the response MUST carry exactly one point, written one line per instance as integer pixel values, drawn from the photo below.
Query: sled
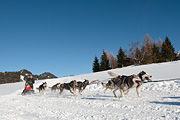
(28, 90)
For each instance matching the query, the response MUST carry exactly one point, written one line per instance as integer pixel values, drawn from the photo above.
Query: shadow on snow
(167, 103)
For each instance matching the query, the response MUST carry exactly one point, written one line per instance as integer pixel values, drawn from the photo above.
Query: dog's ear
(143, 72)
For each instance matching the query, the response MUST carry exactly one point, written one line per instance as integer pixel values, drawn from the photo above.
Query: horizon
(63, 37)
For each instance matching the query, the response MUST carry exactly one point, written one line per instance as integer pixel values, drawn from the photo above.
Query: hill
(158, 101)
(11, 77)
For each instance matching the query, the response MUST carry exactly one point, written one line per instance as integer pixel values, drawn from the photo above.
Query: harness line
(173, 79)
(163, 80)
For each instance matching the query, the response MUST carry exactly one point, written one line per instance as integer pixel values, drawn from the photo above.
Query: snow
(158, 101)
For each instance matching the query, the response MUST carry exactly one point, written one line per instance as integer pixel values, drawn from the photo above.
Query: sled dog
(111, 84)
(69, 86)
(82, 85)
(55, 87)
(126, 83)
(42, 87)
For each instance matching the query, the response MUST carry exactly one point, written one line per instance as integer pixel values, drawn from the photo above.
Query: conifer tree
(104, 65)
(167, 51)
(96, 66)
(155, 53)
(121, 57)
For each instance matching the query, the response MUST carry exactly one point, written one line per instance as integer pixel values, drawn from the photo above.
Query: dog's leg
(80, 92)
(138, 90)
(114, 92)
(71, 90)
(122, 93)
(44, 91)
(75, 92)
(61, 90)
(127, 91)
(105, 90)
(83, 91)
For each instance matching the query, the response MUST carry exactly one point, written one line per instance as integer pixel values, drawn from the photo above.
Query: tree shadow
(105, 96)
(93, 98)
(99, 97)
(172, 97)
(166, 103)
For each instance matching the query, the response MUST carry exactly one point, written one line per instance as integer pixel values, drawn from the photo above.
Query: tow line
(163, 80)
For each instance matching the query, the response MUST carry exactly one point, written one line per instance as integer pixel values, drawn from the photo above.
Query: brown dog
(55, 87)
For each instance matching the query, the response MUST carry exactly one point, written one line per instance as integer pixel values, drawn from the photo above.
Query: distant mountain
(21, 75)
(46, 75)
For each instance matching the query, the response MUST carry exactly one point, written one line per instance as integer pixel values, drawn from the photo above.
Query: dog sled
(28, 90)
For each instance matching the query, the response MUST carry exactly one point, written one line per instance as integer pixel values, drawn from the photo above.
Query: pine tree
(167, 51)
(121, 57)
(155, 53)
(96, 65)
(104, 65)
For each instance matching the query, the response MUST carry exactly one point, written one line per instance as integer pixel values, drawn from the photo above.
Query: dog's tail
(103, 84)
(113, 74)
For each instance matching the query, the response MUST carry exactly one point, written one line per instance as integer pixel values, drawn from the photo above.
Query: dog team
(72, 86)
(122, 83)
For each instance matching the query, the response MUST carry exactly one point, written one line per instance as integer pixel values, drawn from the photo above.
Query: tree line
(149, 52)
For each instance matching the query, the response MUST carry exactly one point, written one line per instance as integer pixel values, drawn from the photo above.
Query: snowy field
(158, 101)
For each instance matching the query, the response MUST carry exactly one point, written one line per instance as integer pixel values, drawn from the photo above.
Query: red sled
(28, 90)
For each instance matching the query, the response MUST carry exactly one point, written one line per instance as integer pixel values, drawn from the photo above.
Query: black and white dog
(82, 85)
(42, 88)
(69, 86)
(126, 83)
(111, 84)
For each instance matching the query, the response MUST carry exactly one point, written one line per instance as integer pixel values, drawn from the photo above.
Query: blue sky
(63, 36)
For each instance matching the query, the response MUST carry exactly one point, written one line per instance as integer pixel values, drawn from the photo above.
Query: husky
(126, 83)
(69, 86)
(42, 87)
(111, 84)
(55, 87)
(82, 85)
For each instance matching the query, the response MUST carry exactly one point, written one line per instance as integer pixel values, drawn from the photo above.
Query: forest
(147, 52)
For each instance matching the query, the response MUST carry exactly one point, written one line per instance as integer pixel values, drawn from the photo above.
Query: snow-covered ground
(158, 101)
